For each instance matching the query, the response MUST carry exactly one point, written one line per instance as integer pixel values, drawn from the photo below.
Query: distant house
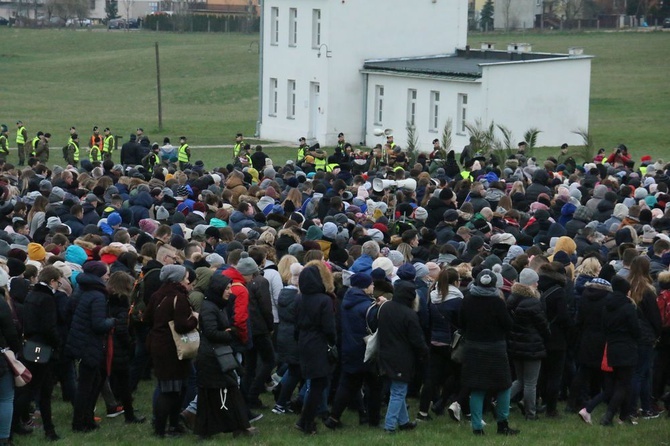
(354, 67)
(516, 14)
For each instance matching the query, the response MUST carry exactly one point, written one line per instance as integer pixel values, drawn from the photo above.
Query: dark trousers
(167, 407)
(259, 362)
(350, 388)
(623, 379)
(582, 385)
(67, 375)
(661, 373)
(139, 366)
(89, 386)
(120, 384)
(441, 370)
(41, 387)
(552, 371)
(312, 402)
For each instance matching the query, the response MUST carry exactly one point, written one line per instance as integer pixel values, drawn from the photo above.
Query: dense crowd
(349, 281)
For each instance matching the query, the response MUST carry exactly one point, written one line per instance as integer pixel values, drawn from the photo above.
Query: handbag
(371, 340)
(458, 347)
(333, 354)
(22, 375)
(187, 343)
(226, 358)
(38, 352)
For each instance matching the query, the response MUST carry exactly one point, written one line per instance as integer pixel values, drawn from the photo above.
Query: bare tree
(506, 12)
(127, 5)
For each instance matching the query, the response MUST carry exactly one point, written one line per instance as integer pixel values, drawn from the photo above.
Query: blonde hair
(589, 267)
(284, 267)
(326, 275)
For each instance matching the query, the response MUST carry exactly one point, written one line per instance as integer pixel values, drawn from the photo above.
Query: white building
(331, 66)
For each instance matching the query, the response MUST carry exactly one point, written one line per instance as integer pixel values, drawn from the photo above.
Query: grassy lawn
(57, 78)
(278, 430)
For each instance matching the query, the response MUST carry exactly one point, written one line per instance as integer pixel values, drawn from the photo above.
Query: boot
(504, 429)
(607, 419)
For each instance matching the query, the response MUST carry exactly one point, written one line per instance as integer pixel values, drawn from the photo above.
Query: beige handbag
(188, 343)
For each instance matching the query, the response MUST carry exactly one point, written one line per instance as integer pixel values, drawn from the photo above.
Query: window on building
(434, 111)
(411, 106)
(273, 97)
(292, 27)
(290, 99)
(462, 113)
(274, 24)
(316, 28)
(379, 104)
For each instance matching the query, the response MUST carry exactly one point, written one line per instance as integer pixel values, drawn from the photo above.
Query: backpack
(663, 302)
(403, 225)
(137, 302)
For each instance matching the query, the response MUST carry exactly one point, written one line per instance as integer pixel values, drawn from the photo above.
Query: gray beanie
(162, 213)
(215, 259)
(421, 270)
(246, 266)
(172, 273)
(295, 248)
(396, 257)
(528, 277)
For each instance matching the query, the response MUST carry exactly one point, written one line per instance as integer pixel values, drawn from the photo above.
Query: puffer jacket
(401, 341)
(589, 326)
(531, 329)
(203, 275)
(123, 344)
(552, 288)
(40, 317)
(139, 206)
(239, 220)
(90, 323)
(622, 330)
(355, 305)
(444, 315)
(287, 346)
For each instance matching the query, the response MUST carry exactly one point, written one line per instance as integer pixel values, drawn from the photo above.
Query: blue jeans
(477, 407)
(396, 413)
(6, 403)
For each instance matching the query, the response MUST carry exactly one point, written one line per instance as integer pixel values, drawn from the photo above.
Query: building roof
(464, 64)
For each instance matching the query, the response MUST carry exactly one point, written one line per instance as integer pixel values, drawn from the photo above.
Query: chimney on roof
(488, 46)
(519, 48)
(467, 51)
(575, 51)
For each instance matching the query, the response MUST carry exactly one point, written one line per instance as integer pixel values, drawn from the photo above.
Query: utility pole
(158, 85)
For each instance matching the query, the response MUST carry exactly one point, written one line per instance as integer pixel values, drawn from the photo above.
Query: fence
(202, 23)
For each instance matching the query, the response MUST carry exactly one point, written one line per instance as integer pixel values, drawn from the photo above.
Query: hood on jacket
(600, 191)
(549, 279)
(203, 276)
(76, 254)
(89, 281)
(238, 216)
(310, 281)
(568, 210)
(453, 293)
(566, 244)
(404, 292)
(214, 292)
(540, 176)
(142, 199)
(524, 291)
(233, 274)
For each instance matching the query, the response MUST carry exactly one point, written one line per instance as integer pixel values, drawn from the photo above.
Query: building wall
(552, 96)
(396, 106)
(353, 32)
(521, 14)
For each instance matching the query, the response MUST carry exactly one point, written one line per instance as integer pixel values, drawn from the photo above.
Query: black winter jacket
(436, 209)
(622, 330)
(260, 306)
(530, 329)
(401, 340)
(551, 286)
(355, 305)
(649, 318)
(215, 329)
(90, 323)
(123, 344)
(315, 324)
(40, 317)
(589, 327)
(9, 337)
(287, 345)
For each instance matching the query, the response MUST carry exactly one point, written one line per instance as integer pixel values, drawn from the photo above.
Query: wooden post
(158, 85)
(209, 25)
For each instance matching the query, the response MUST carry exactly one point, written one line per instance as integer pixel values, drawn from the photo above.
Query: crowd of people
(353, 282)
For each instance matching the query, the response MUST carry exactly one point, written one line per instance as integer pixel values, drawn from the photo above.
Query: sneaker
(650, 414)
(97, 419)
(455, 411)
(280, 410)
(586, 416)
(136, 420)
(113, 412)
(410, 425)
(522, 407)
(270, 386)
(424, 417)
(276, 378)
(332, 423)
(253, 417)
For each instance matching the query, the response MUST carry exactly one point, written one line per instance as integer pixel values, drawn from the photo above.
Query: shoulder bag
(22, 375)
(371, 340)
(188, 343)
(226, 358)
(38, 352)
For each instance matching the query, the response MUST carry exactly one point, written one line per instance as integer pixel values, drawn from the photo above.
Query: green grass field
(276, 430)
(53, 79)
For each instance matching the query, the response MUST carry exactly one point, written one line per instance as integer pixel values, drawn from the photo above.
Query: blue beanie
(114, 219)
(406, 271)
(75, 254)
(360, 280)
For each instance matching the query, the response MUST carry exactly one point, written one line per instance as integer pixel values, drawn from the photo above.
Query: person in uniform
(21, 138)
(184, 153)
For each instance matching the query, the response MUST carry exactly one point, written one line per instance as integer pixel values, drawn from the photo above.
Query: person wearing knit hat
(246, 265)
(96, 268)
(528, 277)
(421, 271)
(148, 225)
(376, 235)
(162, 214)
(406, 272)
(295, 249)
(420, 214)
(396, 257)
(361, 281)
(36, 252)
(15, 266)
(329, 230)
(433, 270)
(314, 233)
(114, 219)
(295, 269)
(215, 260)
(385, 264)
(172, 273)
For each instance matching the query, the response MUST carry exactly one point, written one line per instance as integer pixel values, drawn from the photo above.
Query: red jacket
(240, 305)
